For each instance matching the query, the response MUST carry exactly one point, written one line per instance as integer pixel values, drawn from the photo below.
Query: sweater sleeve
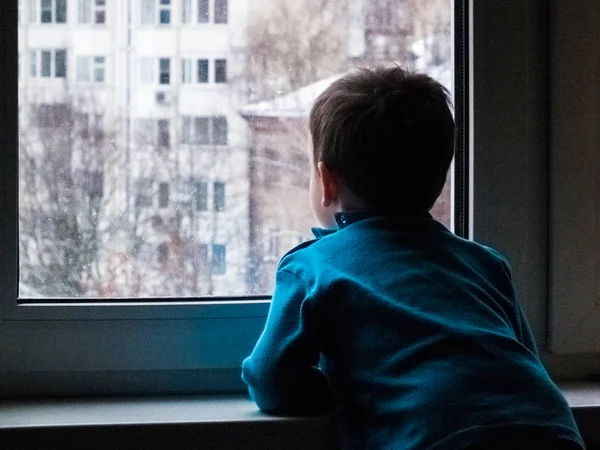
(523, 331)
(282, 373)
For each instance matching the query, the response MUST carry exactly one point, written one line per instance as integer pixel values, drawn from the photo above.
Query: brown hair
(388, 134)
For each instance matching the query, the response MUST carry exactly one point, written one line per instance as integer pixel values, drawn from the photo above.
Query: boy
(411, 333)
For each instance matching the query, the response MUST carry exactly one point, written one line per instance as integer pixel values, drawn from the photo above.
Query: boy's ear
(330, 184)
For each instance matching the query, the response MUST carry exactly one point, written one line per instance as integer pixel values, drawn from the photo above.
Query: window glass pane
(186, 70)
(46, 10)
(220, 130)
(213, 161)
(201, 133)
(100, 16)
(221, 11)
(163, 195)
(46, 63)
(203, 71)
(218, 260)
(33, 63)
(147, 70)
(61, 64)
(85, 11)
(202, 11)
(164, 135)
(148, 8)
(83, 68)
(202, 196)
(165, 70)
(186, 11)
(220, 71)
(61, 11)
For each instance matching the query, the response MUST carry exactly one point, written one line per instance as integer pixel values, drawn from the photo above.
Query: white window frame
(149, 71)
(150, 12)
(92, 66)
(38, 63)
(156, 346)
(35, 12)
(187, 70)
(87, 12)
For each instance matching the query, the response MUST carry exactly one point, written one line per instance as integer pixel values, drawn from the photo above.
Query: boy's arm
(522, 331)
(281, 372)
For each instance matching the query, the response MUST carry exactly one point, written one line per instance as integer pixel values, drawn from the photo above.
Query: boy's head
(384, 138)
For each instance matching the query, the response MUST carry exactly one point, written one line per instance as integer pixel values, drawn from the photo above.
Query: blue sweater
(411, 333)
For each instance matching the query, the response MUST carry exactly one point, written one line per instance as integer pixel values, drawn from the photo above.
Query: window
(143, 194)
(219, 196)
(186, 11)
(164, 70)
(152, 68)
(187, 70)
(50, 11)
(202, 71)
(165, 12)
(202, 11)
(148, 10)
(195, 130)
(164, 134)
(91, 69)
(48, 63)
(163, 195)
(221, 11)
(147, 70)
(508, 208)
(201, 196)
(154, 133)
(92, 11)
(218, 259)
(220, 130)
(220, 71)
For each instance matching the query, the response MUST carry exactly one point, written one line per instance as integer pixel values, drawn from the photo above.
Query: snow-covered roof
(296, 104)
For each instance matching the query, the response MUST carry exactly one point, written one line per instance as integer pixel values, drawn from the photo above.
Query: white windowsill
(215, 420)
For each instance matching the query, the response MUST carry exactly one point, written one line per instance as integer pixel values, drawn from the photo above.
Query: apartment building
(133, 104)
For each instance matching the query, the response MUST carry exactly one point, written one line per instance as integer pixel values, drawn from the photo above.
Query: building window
(218, 259)
(164, 67)
(195, 130)
(187, 70)
(219, 136)
(91, 69)
(186, 11)
(220, 71)
(201, 256)
(50, 11)
(202, 71)
(220, 11)
(163, 253)
(148, 12)
(92, 11)
(147, 70)
(165, 12)
(219, 196)
(201, 188)
(164, 134)
(300, 167)
(143, 196)
(163, 195)
(48, 63)
(202, 11)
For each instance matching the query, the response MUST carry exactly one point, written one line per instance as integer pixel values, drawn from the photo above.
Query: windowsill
(190, 421)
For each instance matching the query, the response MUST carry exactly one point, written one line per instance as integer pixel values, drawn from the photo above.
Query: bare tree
(292, 44)
(64, 159)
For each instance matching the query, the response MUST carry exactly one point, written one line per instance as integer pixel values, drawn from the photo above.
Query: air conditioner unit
(163, 98)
